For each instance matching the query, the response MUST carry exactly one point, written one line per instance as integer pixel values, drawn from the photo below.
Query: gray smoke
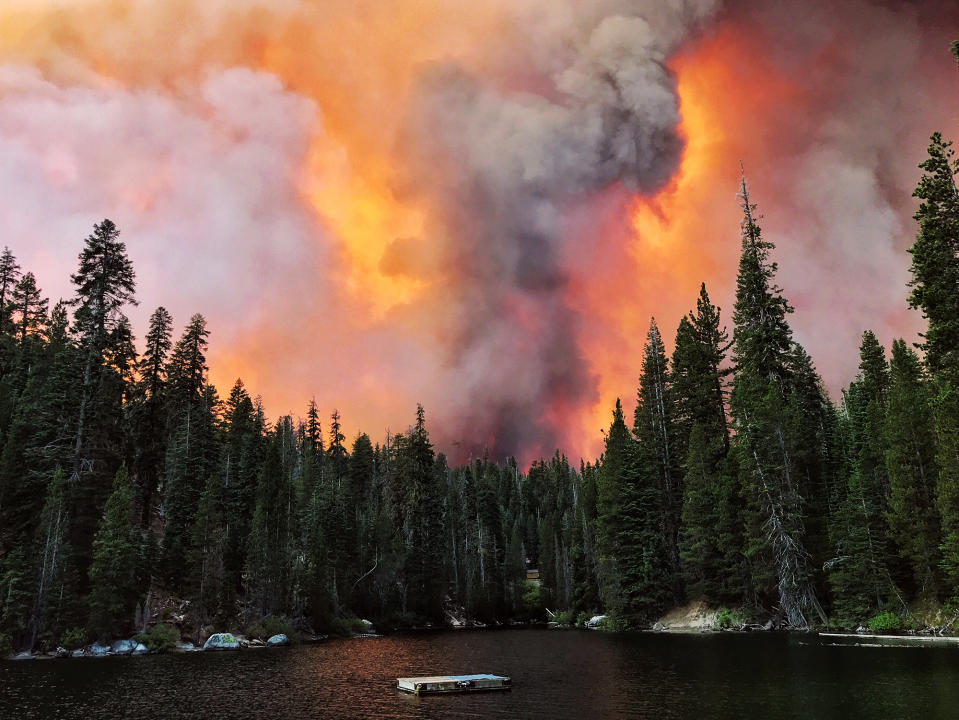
(503, 167)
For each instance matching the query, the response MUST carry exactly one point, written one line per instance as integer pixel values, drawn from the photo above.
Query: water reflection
(556, 675)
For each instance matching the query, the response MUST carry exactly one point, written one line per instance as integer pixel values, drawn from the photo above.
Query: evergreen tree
(30, 307)
(910, 462)
(104, 283)
(148, 412)
(112, 571)
(761, 388)
(656, 467)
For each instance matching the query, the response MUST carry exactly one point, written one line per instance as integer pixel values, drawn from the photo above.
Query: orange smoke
(366, 327)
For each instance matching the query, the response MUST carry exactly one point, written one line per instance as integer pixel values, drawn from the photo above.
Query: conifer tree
(30, 307)
(935, 290)
(148, 412)
(52, 557)
(762, 348)
(112, 570)
(911, 466)
(105, 283)
(9, 275)
(657, 467)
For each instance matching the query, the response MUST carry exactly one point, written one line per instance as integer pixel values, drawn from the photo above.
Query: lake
(556, 675)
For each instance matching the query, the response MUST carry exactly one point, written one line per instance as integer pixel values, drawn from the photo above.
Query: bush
(533, 599)
(73, 638)
(885, 622)
(563, 617)
(265, 628)
(6, 647)
(347, 627)
(160, 638)
(727, 618)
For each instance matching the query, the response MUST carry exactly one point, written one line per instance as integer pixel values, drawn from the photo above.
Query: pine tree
(51, 556)
(105, 283)
(112, 570)
(935, 290)
(9, 275)
(657, 467)
(761, 388)
(860, 574)
(148, 412)
(191, 448)
(30, 306)
(911, 465)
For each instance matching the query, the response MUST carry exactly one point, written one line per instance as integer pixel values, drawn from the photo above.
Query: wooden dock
(453, 684)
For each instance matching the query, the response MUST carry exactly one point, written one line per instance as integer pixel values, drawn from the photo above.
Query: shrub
(347, 626)
(265, 628)
(6, 647)
(584, 617)
(73, 638)
(885, 622)
(533, 599)
(160, 638)
(727, 618)
(563, 617)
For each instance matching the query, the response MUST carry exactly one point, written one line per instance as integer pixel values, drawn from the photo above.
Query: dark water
(556, 675)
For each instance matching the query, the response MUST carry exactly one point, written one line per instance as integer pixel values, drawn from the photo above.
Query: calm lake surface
(556, 674)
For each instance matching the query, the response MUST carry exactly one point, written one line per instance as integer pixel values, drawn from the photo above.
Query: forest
(127, 481)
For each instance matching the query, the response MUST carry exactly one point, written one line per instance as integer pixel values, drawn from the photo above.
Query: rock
(256, 642)
(25, 655)
(368, 627)
(659, 627)
(768, 626)
(184, 646)
(79, 652)
(595, 621)
(61, 652)
(140, 649)
(277, 640)
(221, 641)
(122, 647)
(98, 650)
(860, 629)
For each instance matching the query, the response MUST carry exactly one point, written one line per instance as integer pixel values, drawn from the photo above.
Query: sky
(474, 206)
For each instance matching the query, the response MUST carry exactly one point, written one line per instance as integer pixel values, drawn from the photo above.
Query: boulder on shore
(122, 647)
(595, 621)
(185, 646)
(659, 627)
(140, 649)
(221, 641)
(368, 628)
(98, 650)
(278, 640)
(79, 652)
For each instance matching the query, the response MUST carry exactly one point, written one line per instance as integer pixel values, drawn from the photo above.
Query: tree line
(125, 477)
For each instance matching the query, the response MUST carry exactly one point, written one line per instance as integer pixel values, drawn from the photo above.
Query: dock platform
(453, 684)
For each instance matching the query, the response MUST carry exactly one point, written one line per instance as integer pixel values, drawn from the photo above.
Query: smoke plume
(476, 206)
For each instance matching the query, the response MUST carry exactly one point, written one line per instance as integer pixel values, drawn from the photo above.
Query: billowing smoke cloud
(472, 205)
(501, 170)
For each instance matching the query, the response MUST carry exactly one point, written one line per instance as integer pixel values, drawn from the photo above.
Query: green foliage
(267, 627)
(6, 647)
(885, 622)
(74, 637)
(112, 573)
(160, 638)
(563, 617)
(726, 618)
(348, 627)
(533, 600)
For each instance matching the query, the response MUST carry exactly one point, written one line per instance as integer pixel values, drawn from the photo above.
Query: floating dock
(453, 684)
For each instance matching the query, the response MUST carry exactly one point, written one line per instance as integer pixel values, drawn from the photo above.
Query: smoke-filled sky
(476, 206)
